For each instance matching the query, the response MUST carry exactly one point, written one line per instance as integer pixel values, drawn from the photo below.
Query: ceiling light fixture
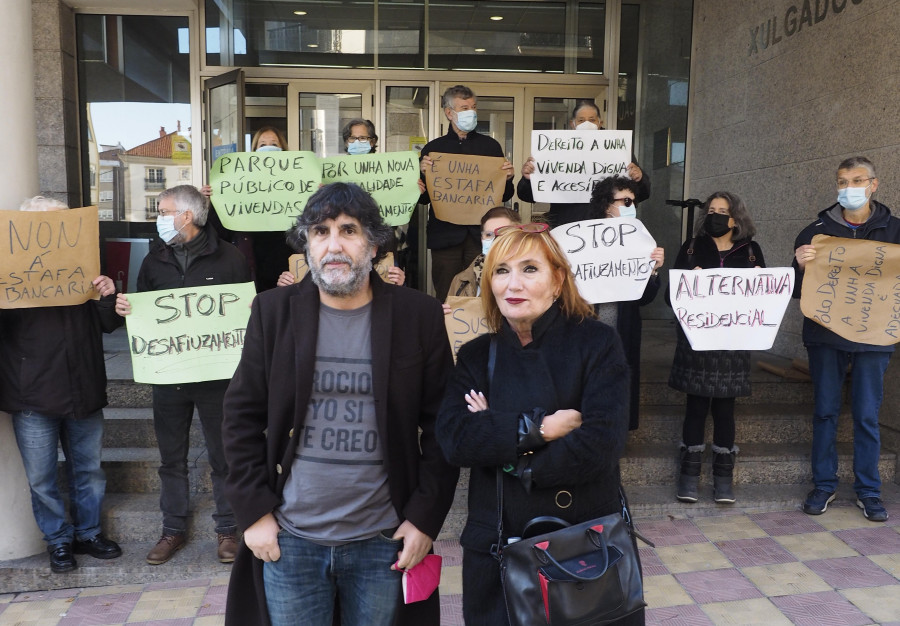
(496, 18)
(299, 12)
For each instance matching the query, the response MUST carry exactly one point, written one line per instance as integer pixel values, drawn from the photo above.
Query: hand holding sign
(463, 186)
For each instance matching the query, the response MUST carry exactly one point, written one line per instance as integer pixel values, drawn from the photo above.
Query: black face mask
(716, 224)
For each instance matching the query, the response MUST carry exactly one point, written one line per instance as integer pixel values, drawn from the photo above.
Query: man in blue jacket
(855, 216)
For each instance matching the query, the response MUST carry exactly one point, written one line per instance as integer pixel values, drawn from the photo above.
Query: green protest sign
(188, 335)
(263, 191)
(392, 179)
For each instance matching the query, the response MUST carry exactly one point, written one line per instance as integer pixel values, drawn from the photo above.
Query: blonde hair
(517, 242)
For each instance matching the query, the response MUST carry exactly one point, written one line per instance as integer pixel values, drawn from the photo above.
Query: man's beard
(341, 284)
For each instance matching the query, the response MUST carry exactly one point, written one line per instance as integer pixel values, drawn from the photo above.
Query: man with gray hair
(53, 383)
(335, 474)
(856, 215)
(188, 254)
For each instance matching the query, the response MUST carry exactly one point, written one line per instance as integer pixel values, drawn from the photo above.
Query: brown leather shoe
(165, 548)
(228, 547)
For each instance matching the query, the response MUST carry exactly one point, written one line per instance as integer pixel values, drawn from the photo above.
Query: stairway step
(135, 517)
(128, 394)
(134, 470)
(132, 427)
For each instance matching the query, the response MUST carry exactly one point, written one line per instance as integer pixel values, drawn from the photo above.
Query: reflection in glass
(495, 118)
(406, 118)
(134, 104)
(265, 104)
(322, 116)
(591, 36)
(401, 34)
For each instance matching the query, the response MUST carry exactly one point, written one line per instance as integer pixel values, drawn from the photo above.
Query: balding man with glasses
(856, 215)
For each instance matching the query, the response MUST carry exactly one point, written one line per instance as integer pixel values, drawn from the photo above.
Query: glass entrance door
(322, 109)
(224, 113)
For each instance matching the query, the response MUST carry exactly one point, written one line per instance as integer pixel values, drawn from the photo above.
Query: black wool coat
(712, 373)
(267, 400)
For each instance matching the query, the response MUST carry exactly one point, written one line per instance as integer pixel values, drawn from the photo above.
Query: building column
(18, 180)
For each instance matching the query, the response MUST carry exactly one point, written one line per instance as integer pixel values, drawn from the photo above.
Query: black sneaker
(99, 547)
(61, 559)
(817, 501)
(873, 509)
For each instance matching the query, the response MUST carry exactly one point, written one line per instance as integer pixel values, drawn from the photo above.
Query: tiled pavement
(732, 567)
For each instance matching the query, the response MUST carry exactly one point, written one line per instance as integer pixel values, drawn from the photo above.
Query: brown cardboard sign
(465, 321)
(48, 258)
(852, 288)
(298, 267)
(463, 187)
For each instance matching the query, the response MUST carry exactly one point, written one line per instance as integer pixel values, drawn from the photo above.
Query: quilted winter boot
(691, 458)
(723, 474)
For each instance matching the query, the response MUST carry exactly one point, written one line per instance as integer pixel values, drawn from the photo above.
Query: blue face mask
(268, 149)
(486, 245)
(466, 120)
(852, 198)
(359, 147)
(165, 226)
(627, 211)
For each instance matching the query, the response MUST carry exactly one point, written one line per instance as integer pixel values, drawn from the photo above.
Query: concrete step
(760, 423)
(757, 464)
(125, 393)
(134, 470)
(133, 428)
(135, 517)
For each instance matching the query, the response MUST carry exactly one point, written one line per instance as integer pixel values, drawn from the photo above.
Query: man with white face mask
(585, 116)
(453, 247)
(188, 253)
(856, 215)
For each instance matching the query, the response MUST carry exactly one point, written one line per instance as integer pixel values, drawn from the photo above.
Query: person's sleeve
(244, 430)
(760, 259)
(143, 279)
(523, 189)
(650, 290)
(483, 439)
(801, 240)
(643, 191)
(433, 496)
(592, 451)
(106, 311)
(424, 198)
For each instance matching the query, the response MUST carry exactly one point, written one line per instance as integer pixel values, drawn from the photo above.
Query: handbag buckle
(563, 492)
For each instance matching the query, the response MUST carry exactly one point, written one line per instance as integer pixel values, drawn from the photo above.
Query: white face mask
(587, 126)
(466, 121)
(852, 198)
(165, 226)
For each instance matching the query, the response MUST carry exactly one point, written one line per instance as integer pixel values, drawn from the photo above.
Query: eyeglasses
(363, 138)
(168, 213)
(843, 183)
(626, 201)
(533, 227)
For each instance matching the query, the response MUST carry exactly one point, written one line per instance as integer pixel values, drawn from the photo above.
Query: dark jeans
(446, 263)
(695, 410)
(173, 411)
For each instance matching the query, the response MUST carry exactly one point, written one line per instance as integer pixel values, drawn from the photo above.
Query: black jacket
(51, 358)
(881, 226)
(443, 234)
(568, 365)
(219, 263)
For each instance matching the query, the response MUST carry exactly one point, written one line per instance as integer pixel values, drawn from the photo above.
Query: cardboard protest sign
(263, 191)
(610, 258)
(568, 163)
(465, 321)
(731, 309)
(188, 335)
(298, 267)
(391, 178)
(48, 258)
(463, 187)
(852, 288)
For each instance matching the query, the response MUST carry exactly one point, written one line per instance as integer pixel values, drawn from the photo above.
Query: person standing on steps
(713, 378)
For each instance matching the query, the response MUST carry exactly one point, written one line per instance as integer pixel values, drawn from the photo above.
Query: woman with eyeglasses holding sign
(552, 412)
(615, 197)
(713, 378)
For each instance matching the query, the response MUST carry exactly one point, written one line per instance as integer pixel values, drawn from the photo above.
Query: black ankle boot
(723, 474)
(691, 461)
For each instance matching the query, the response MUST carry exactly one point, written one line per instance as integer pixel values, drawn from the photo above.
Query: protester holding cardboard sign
(713, 378)
(855, 216)
(616, 197)
(585, 116)
(454, 245)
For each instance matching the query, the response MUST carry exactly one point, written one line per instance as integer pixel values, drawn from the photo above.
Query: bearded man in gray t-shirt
(335, 474)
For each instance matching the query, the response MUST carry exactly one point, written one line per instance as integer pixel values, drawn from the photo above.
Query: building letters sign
(852, 288)
(48, 258)
(188, 335)
(796, 16)
(729, 308)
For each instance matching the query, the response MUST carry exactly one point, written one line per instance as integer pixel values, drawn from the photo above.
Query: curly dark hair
(336, 199)
(604, 193)
(743, 224)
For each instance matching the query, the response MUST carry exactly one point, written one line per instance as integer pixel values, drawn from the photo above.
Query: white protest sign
(568, 163)
(610, 258)
(731, 309)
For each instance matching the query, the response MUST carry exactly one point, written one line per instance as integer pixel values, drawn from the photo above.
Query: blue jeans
(301, 585)
(38, 437)
(828, 368)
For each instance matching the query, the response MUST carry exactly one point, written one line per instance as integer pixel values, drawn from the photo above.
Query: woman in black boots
(712, 379)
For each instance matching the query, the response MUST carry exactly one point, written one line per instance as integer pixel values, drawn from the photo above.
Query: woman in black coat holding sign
(613, 197)
(713, 378)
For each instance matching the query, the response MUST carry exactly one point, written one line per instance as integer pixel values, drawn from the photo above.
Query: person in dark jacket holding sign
(855, 216)
(713, 378)
(53, 383)
(189, 253)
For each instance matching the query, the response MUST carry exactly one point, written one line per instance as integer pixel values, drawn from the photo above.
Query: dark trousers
(448, 262)
(173, 411)
(695, 411)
